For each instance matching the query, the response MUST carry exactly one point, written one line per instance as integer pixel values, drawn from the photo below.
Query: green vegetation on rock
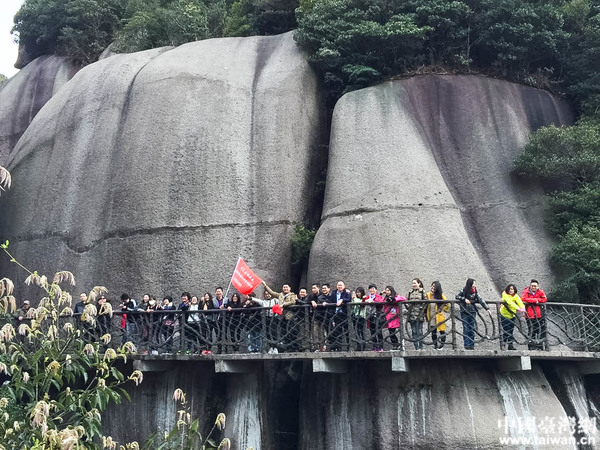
(82, 29)
(567, 160)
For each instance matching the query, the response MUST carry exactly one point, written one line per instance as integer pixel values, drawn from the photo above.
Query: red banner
(243, 279)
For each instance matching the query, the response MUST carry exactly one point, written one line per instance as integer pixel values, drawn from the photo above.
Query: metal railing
(352, 327)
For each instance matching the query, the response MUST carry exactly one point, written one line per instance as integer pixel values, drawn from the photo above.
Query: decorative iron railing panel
(351, 327)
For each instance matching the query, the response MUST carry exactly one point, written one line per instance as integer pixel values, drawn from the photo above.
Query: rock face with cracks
(419, 185)
(439, 403)
(154, 171)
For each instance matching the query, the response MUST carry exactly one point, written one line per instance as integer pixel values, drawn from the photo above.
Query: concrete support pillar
(329, 366)
(399, 364)
(514, 364)
(235, 366)
(153, 365)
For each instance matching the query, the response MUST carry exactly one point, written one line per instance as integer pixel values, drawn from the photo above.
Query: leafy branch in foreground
(185, 434)
(59, 382)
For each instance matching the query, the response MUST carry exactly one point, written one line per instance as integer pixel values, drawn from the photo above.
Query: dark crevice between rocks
(283, 403)
(122, 234)
(367, 210)
(550, 370)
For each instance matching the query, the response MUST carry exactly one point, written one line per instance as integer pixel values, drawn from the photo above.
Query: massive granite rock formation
(154, 171)
(419, 185)
(23, 95)
(450, 404)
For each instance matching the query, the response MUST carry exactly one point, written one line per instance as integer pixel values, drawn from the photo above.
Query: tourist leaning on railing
(234, 322)
(285, 299)
(511, 305)
(207, 327)
(468, 299)
(376, 318)
(270, 332)
(436, 316)
(391, 312)
(168, 322)
(534, 299)
(359, 317)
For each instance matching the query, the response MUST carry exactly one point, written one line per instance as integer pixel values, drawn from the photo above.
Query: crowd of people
(319, 320)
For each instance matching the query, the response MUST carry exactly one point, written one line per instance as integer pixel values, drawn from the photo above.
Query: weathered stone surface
(439, 404)
(154, 171)
(419, 185)
(450, 404)
(23, 95)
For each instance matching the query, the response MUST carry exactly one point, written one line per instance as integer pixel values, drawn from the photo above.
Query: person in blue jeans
(468, 298)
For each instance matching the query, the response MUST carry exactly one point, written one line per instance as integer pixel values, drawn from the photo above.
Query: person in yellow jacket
(436, 317)
(511, 305)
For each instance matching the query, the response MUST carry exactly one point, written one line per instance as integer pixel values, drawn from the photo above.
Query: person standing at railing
(375, 317)
(338, 337)
(183, 306)
(511, 305)
(285, 298)
(321, 314)
(256, 330)
(128, 306)
(167, 328)
(392, 311)
(534, 299)
(468, 299)
(359, 317)
(234, 320)
(206, 326)
(300, 321)
(144, 323)
(192, 336)
(416, 311)
(153, 321)
(436, 317)
(219, 302)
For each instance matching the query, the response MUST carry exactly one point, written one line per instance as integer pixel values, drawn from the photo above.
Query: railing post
(500, 328)
(400, 312)
(584, 331)
(453, 321)
(182, 323)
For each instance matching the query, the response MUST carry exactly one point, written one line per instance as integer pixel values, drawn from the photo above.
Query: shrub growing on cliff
(301, 243)
(567, 160)
(156, 23)
(514, 38)
(81, 29)
(357, 43)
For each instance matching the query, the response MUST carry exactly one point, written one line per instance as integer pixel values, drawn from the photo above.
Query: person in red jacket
(534, 298)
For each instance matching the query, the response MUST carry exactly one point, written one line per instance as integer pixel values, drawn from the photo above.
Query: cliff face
(451, 404)
(155, 171)
(419, 185)
(22, 96)
(152, 172)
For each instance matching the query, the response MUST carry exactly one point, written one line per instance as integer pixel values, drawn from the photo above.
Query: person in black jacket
(128, 306)
(167, 326)
(468, 298)
(338, 337)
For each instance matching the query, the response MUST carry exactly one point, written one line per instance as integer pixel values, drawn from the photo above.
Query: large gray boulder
(419, 185)
(24, 94)
(154, 171)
